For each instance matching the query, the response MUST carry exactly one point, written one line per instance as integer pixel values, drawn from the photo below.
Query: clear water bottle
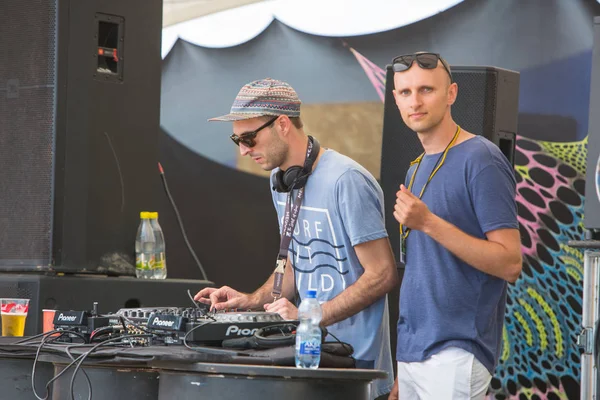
(145, 245)
(160, 262)
(308, 333)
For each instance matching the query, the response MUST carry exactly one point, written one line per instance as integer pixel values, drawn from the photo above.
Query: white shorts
(452, 374)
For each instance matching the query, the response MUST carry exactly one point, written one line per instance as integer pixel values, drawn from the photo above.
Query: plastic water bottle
(308, 333)
(160, 263)
(145, 245)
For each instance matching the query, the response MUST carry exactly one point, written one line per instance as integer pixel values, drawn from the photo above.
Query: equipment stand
(587, 339)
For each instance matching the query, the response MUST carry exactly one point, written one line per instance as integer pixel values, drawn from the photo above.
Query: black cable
(37, 354)
(344, 345)
(84, 356)
(63, 333)
(47, 335)
(185, 238)
(208, 350)
(193, 301)
(63, 371)
(101, 331)
(193, 329)
(124, 324)
(27, 339)
(87, 378)
(203, 311)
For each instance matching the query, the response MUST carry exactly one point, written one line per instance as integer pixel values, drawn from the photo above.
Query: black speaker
(592, 181)
(79, 123)
(487, 104)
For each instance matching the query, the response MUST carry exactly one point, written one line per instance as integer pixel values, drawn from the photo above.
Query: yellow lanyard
(417, 161)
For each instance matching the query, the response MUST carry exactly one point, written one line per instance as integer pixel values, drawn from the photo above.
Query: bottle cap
(144, 214)
(311, 294)
(153, 215)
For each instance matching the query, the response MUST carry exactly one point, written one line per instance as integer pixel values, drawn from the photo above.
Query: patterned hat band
(263, 97)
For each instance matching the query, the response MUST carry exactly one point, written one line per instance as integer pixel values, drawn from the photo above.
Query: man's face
(423, 96)
(269, 151)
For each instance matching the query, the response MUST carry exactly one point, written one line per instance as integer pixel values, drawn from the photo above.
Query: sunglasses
(424, 60)
(247, 138)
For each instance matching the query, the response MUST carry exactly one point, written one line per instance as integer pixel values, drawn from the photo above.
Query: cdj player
(171, 324)
(164, 325)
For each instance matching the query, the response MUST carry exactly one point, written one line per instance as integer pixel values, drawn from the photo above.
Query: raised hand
(409, 210)
(224, 298)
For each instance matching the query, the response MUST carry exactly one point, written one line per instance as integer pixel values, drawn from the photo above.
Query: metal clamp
(585, 340)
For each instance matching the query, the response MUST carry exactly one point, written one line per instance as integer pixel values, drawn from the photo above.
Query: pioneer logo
(66, 318)
(159, 322)
(235, 330)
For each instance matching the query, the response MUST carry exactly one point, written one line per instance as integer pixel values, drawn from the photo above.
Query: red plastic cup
(48, 321)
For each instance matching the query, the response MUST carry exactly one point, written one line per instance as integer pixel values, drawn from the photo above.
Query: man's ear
(284, 124)
(395, 97)
(452, 93)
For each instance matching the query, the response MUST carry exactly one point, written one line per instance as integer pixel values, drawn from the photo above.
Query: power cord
(82, 358)
(45, 336)
(185, 238)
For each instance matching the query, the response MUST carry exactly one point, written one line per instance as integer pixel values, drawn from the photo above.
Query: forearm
(485, 255)
(262, 295)
(365, 291)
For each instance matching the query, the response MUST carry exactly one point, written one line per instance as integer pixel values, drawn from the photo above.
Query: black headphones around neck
(295, 177)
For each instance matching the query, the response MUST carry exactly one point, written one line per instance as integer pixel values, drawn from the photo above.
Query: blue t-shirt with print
(342, 207)
(444, 302)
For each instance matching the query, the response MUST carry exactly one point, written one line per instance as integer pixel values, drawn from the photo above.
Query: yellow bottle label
(142, 261)
(160, 261)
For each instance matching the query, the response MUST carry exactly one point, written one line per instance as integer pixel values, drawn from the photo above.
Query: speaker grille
(27, 130)
(18, 290)
(475, 106)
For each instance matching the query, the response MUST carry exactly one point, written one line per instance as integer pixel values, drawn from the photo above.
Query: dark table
(172, 372)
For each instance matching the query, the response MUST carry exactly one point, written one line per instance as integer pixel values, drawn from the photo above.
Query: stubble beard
(275, 155)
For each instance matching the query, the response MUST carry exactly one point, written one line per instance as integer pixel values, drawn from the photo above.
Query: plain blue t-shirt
(444, 302)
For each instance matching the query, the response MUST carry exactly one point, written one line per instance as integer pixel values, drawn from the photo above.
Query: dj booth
(167, 372)
(128, 338)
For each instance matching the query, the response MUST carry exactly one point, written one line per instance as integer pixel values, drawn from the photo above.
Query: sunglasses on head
(424, 60)
(247, 138)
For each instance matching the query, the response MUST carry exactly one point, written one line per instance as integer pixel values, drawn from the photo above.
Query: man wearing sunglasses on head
(460, 243)
(333, 236)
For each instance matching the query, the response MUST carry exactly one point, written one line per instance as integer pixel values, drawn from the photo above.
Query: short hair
(296, 121)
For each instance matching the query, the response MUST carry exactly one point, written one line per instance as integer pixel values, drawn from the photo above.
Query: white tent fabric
(334, 18)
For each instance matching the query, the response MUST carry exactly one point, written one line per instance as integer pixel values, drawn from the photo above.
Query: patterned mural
(540, 358)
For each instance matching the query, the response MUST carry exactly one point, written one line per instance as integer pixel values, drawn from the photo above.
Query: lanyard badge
(278, 279)
(402, 250)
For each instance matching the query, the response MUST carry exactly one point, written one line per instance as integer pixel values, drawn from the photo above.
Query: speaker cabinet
(79, 123)
(592, 182)
(487, 104)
